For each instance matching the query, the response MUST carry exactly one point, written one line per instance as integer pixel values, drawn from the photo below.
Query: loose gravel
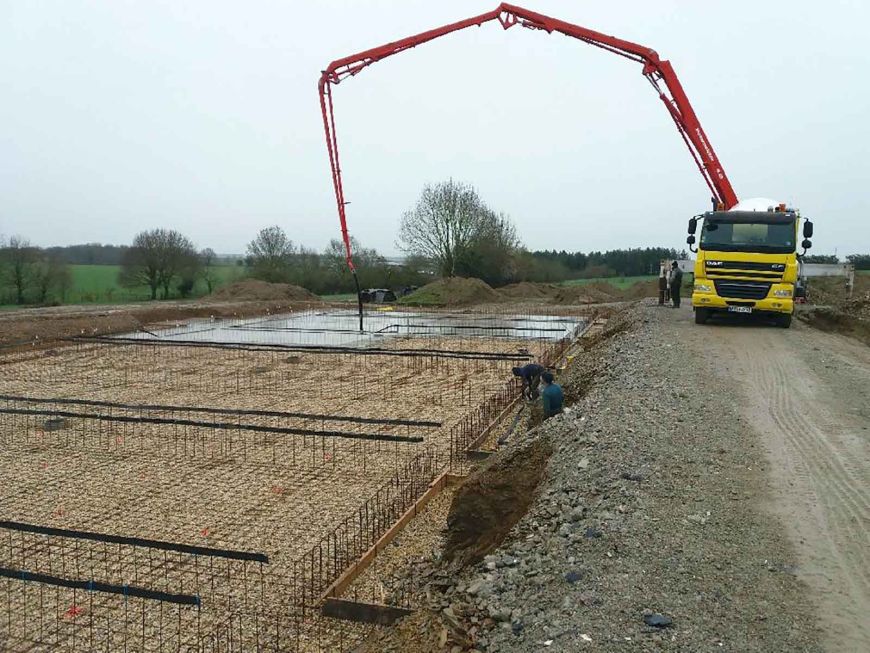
(649, 530)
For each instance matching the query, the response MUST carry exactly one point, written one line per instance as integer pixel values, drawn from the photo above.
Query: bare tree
(20, 257)
(443, 224)
(155, 259)
(207, 259)
(270, 254)
(492, 253)
(179, 261)
(335, 256)
(451, 226)
(50, 273)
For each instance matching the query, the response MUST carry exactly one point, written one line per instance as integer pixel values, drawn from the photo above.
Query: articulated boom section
(659, 72)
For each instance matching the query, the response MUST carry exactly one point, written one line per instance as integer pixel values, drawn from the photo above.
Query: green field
(98, 284)
(619, 282)
(341, 297)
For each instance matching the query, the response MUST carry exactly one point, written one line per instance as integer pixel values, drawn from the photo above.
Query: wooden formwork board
(343, 582)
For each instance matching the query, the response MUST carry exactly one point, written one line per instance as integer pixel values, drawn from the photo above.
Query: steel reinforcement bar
(225, 411)
(466, 433)
(309, 349)
(314, 572)
(97, 586)
(228, 426)
(135, 541)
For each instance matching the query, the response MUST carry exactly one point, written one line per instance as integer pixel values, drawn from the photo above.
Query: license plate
(739, 309)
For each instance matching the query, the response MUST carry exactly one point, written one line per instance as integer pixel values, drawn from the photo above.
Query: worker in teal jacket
(551, 396)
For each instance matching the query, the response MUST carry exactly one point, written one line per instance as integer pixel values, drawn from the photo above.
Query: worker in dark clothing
(676, 281)
(531, 376)
(551, 396)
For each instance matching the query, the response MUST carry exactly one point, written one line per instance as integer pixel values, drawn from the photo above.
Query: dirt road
(808, 395)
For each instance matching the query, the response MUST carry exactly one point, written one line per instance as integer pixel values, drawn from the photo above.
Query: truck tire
(784, 321)
(701, 315)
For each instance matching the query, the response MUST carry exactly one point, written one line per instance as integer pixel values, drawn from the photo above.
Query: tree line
(31, 275)
(632, 262)
(450, 231)
(273, 256)
(453, 227)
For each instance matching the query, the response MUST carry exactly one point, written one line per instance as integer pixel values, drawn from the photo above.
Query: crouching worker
(551, 396)
(531, 376)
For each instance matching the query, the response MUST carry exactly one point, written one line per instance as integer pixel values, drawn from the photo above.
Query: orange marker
(73, 612)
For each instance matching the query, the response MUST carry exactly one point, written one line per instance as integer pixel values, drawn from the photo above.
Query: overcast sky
(203, 116)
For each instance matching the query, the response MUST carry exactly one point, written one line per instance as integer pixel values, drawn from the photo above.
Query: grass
(619, 282)
(98, 284)
(341, 297)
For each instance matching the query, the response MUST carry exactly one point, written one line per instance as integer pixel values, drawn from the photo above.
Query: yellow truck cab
(747, 262)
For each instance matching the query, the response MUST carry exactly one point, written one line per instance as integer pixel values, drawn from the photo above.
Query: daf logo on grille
(715, 264)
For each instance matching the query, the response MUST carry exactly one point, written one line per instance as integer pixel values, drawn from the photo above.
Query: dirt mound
(527, 290)
(642, 289)
(831, 309)
(256, 290)
(455, 291)
(572, 295)
(596, 292)
(493, 500)
(833, 290)
(848, 320)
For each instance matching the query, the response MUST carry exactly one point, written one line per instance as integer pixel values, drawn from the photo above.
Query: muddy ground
(710, 490)
(35, 326)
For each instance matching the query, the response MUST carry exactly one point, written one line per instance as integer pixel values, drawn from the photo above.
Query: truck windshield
(724, 236)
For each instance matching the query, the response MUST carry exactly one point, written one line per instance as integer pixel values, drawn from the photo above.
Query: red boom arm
(655, 70)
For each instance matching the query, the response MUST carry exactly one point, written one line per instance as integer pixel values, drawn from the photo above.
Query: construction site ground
(709, 490)
(302, 455)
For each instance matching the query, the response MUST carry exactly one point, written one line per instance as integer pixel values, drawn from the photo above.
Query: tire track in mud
(818, 455)
(846, 505)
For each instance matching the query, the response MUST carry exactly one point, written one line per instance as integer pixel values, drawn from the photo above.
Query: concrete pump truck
(747, 260)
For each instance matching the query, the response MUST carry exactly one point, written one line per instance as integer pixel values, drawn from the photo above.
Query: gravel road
(807, 394)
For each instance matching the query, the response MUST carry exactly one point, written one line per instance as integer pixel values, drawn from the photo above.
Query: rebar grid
(328, 329)
(230, 487)
(135, 432)
(372, 386)
(252, 593)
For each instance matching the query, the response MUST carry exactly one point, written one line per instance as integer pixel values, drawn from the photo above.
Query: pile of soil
(455, 291)
(256, 290)
(833, 290)
(848, 321)
(488, 505)
(831, 309)
(528, 290)
(581, 294)
(642, 289)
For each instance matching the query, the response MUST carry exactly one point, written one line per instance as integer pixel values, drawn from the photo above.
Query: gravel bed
(649, 530)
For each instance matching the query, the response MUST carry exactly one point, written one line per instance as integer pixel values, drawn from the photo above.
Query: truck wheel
(784, 321)
(701, 315)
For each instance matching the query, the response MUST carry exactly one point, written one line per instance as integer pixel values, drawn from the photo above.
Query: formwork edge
(352, 573)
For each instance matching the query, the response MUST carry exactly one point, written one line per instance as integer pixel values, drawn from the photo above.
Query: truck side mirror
(806, 244)
(693, 226)
(690, 240)
(808, 229)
